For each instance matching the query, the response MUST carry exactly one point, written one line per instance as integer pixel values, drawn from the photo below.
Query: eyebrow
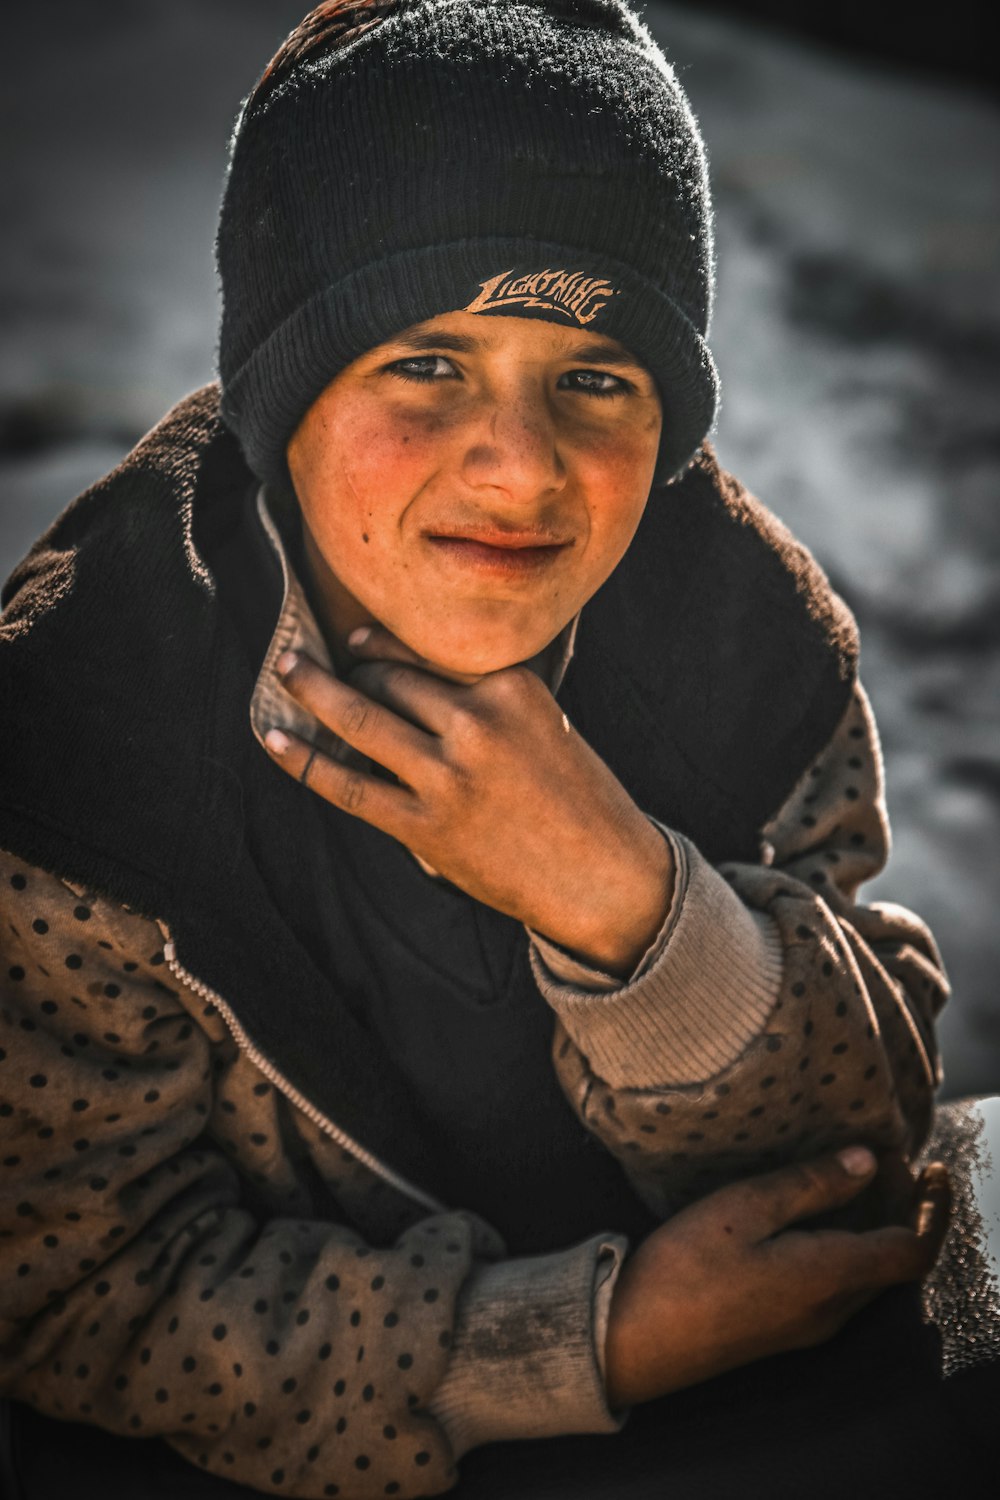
(460, 343)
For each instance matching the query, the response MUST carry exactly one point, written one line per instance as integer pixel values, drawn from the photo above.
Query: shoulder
(108, 644)
(143, 507)
(756, 556)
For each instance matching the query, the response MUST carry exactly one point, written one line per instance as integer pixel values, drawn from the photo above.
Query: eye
(423, 368)
(594, 383)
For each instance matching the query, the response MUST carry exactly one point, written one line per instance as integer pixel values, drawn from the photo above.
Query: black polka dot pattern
(181, 1224)
(848, 1051)
(169, 1208)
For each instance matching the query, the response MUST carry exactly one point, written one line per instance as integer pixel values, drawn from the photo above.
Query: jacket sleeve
(151, 1286)
(775, 1015)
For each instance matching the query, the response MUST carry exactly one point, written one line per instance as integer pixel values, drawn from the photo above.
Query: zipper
(285, 1087)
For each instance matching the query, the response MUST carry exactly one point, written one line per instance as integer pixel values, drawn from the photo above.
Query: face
(471, 483)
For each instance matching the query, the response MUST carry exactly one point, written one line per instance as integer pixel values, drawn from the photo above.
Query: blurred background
(857, 330)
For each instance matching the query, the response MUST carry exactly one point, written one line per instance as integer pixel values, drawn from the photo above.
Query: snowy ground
(857, 330)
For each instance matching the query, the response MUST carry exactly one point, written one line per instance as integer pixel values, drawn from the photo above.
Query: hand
(495, 792)
(728, 1281)
(887, 1198)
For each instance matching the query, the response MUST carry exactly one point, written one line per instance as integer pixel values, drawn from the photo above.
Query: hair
(330, 25)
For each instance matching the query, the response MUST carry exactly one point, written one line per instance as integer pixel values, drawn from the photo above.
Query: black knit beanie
(528, 157)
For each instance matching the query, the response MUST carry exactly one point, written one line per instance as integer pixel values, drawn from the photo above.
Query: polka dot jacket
(161, 1265)
(169, 1261)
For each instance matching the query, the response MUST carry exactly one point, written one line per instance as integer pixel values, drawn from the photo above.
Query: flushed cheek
(616, 501)
(365, 484)
(373, 497)
(382, 443)
(616, 479)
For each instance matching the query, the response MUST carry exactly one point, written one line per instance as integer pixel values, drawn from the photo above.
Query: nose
(513, 446)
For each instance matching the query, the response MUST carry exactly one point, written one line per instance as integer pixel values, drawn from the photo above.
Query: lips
(500, 537)
(508, 554)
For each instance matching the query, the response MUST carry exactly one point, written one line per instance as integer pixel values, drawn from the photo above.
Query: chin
(485, 654)
(475, 663)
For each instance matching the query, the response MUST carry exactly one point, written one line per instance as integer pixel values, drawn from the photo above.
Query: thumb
(774, 1200)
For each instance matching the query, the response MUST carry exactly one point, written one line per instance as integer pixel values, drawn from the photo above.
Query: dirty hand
(494, 791)
(730, 1280)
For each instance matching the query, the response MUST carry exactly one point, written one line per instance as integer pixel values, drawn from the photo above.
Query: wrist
(624, 1384)
(615, 936)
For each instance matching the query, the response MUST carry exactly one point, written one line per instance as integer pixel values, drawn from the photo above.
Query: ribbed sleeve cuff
(568, 969)
(525, 1360)
(695, 1004)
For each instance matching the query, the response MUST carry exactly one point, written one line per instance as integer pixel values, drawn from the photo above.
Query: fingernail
(359, 636)
(857, 1161)
(286, 661)
(276, 741)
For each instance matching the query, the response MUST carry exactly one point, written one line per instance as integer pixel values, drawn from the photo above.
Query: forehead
(535, 338)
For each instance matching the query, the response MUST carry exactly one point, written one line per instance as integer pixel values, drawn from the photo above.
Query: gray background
(857, 329)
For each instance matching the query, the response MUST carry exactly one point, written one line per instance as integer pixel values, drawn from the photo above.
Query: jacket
(278, 1212)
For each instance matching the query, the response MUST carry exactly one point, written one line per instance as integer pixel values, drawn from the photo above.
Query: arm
(780, 1017)
(776, 1014)
(169, 1267)
(489, 790)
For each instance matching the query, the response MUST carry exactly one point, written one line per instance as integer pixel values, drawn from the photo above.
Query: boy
(467, 795)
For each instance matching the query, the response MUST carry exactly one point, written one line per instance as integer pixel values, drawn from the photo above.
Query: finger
(370, 727)
(772, 1201)
(843, 1264)
(895, 1188)
(376, 643)
(377, 802)
(885, 1257)
(894, 1253)
(932, 1207)
(425, 701)
(886, 1200)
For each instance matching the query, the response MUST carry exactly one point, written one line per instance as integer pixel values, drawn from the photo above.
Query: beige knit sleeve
(781, 1015)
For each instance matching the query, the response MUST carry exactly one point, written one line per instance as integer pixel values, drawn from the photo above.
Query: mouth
(507, 554)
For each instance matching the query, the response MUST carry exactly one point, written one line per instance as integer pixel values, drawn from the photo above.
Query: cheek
(378, 455)
(619, 477)
(369, 469)
(380, 444)
(624, 446)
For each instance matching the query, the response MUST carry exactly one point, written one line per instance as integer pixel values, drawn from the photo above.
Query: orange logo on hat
(572, 293)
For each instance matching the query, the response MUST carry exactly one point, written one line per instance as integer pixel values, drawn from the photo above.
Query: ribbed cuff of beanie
(527, 1358)
(699, 997)
(265, 397)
